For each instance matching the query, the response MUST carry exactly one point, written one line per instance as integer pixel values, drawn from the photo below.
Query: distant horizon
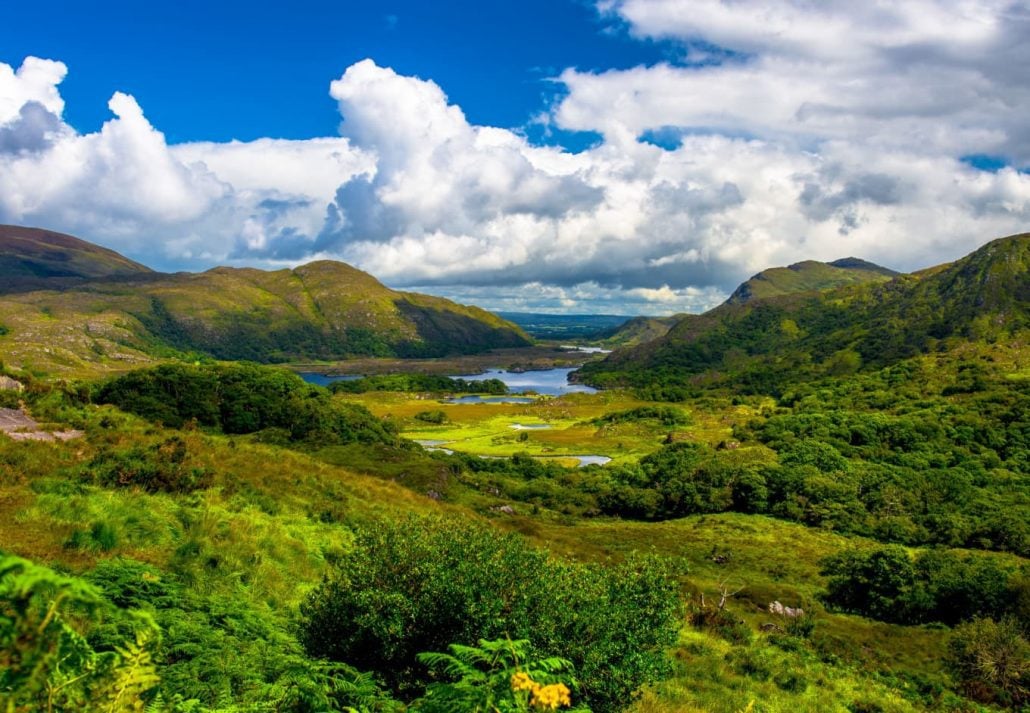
(621, 156)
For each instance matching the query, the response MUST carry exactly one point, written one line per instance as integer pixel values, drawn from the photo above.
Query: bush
(991, 660)
(431, 416)
(164, 467)
(420, 584)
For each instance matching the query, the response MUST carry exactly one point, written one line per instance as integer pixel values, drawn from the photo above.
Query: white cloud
(833, 131)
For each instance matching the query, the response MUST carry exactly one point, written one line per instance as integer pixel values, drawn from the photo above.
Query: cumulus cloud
(788, 131)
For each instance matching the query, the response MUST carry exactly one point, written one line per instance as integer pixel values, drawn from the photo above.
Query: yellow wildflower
(521, 681)
(551, 697)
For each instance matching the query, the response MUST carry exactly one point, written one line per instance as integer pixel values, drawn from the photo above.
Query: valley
(221, 534)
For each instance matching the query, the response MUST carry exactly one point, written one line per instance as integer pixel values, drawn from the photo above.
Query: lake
(325, 379)
(553, 382)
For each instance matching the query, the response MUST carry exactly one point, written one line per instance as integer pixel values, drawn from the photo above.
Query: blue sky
(216, 71)
(631, 156)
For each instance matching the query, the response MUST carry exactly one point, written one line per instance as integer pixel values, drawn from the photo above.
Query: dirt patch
(19, 426)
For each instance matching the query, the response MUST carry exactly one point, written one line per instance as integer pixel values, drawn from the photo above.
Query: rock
(9, 384)
(777, 608)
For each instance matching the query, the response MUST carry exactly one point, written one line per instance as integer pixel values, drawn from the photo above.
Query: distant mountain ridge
(763, 341)
(106, 311)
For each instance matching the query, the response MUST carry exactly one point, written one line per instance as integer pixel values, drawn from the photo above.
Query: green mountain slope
(31, 258)
(639, 330)
(323, 310)
(809, 275)
(767, 343)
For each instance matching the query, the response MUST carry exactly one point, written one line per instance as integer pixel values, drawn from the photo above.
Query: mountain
(809, 275)
(764, 343)
(322, 310)
(32, 258)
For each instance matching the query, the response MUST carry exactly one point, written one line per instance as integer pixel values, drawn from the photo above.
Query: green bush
(421, 584)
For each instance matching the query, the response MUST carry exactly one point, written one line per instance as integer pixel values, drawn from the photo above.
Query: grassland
(571, 421)
(271, 520)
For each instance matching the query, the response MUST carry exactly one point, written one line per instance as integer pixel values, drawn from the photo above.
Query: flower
(521, 681)
(551, 697)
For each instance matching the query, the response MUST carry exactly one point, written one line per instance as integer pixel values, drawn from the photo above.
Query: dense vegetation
(236, 398)
(764, 346)
(418, 382)
(418, 585)
(826, 524)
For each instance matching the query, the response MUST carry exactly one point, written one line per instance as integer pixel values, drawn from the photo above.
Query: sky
(620, 156)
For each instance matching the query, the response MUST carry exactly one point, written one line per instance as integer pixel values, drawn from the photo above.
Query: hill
(32, 258)
(320, 311)
(809, 275)
(639, 330)
(763, 344)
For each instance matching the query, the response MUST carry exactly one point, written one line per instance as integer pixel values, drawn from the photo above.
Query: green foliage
(991, 660)
(418, 383)
(436, 416)
(415, 586)
(495, 677)
(46, 661)
(890, 585)
(665, 415)
(241, 399)
(217, 648)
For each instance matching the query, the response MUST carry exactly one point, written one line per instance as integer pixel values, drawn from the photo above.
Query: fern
(484, 678)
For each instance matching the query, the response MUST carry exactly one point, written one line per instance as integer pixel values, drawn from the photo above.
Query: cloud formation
(788, 131)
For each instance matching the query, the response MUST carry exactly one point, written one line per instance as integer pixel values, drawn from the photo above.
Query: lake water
(325, 379)
(553, 382)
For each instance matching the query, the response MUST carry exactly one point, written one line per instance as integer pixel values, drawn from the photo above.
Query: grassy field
(563, 426)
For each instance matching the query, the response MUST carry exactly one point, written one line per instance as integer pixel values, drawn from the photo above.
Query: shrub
(432, 416)
(991, 660)
(164, 467)
(420, 584)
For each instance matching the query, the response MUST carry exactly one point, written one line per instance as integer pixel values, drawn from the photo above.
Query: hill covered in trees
(765, 344)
